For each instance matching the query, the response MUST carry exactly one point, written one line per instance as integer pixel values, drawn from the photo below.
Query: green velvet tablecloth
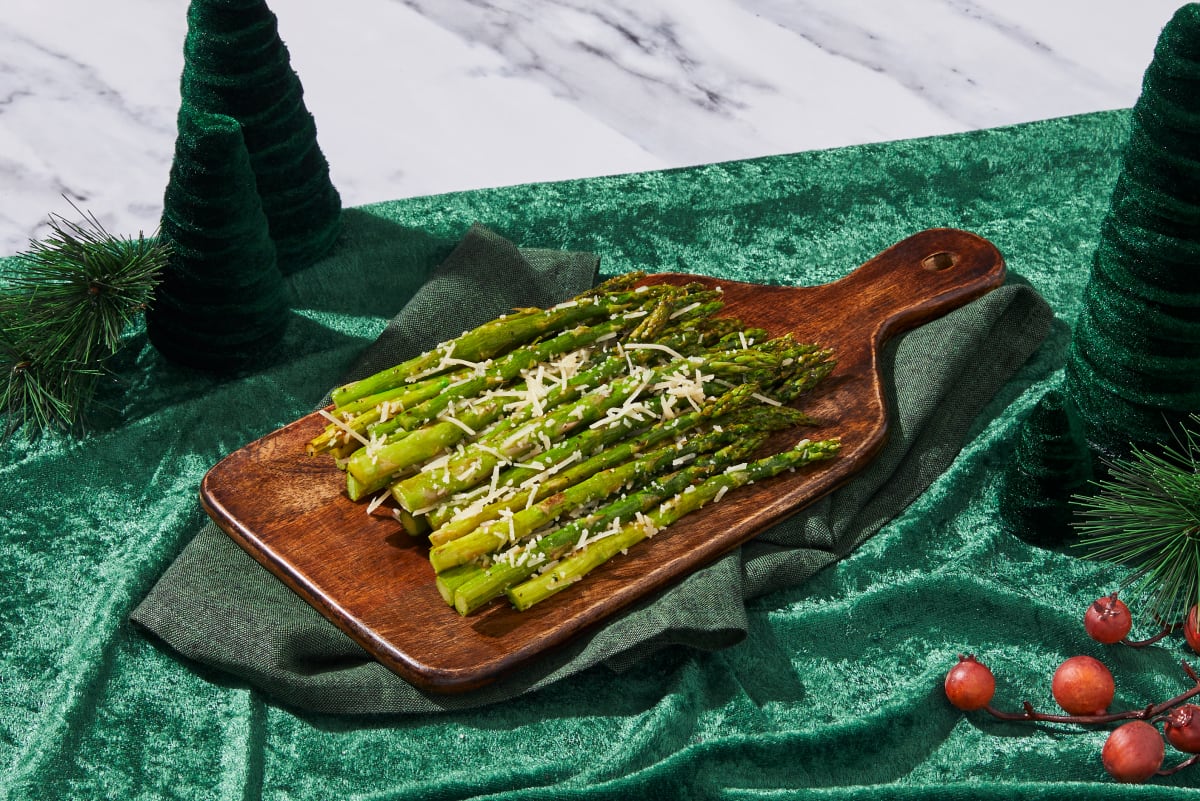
(835, 693)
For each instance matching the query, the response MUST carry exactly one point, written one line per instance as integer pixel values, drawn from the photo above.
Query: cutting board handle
(916, 280)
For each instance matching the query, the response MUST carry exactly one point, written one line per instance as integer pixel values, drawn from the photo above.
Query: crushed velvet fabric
(835, 691)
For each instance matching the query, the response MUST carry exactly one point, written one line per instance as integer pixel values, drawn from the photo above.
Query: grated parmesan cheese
(376, 502)
(685, 310)
(462, 362)
(436, 464)
(652, 346)
(342, 425)
(374, 445)
(446, 418)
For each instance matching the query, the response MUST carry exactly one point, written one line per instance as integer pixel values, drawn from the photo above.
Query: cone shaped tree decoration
(222, 300)
(235, 64)
(1051, 463)
(1133, 369)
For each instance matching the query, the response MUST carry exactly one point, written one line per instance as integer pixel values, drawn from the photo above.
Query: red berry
(969, 684)
(1083, 686)
(1133, 752)
(1192, 631)
(1108, 620)
(1183, 728)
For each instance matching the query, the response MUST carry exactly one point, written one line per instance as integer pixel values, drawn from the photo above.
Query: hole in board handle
(936, 262)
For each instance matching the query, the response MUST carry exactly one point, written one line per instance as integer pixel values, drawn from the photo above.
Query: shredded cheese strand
(454, 420)
(654, 346)
(340, 424)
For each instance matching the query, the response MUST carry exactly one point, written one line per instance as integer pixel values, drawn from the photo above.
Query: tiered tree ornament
(1133, 369)
(235, 64)
(1050, 465)
(222, 302)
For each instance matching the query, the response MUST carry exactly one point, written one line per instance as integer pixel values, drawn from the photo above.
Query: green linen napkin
(217, 606)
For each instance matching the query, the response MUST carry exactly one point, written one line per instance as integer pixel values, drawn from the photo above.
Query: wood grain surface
(290, 512)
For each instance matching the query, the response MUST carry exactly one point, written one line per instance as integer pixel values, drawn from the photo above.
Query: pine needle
(1147, 515)
(78, 289)
(63, 312)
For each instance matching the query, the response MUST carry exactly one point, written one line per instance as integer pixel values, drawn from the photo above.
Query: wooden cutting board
(289, 510)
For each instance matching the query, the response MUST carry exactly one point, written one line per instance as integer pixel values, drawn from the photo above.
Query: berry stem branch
(1167, 630)
(1176, 768)
(1029, 713)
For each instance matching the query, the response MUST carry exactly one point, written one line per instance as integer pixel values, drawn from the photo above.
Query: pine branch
(40, 394)
(1147, 514)
(63, 312)
(79, 288)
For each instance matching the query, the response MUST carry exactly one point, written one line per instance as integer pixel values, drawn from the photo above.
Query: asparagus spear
(373, 466)
(472, 589)
(688, 336)
(509, 529)
(413, 526)
(448, 581)
(506, 369)
(485, 457)
(394, 430)
(390, 460)
(489, 455)
(496, 337)
(730, 408)
(806, 378)
(376, 467)
(370, 409)
(595, 552)
(547, 482)
(616, 283)
(483, 341)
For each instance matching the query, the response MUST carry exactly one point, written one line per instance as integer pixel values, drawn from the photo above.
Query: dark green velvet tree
(1051, 463)
(235, 64)
(1133, 369)
(222, 301)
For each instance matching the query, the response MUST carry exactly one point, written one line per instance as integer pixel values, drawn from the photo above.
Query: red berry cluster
(1084, 688)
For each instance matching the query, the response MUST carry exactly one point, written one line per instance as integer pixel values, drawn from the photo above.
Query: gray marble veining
(424, 96)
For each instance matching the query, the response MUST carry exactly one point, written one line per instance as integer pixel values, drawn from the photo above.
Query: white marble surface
(416, 97)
